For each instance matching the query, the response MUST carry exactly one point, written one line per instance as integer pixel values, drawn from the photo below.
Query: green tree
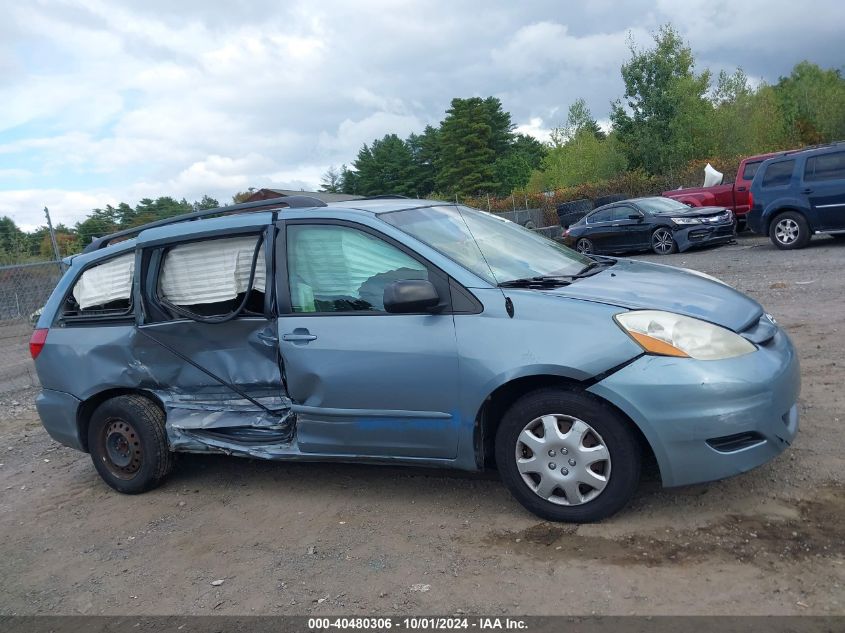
(580, 118)
(474, 133)
(581, 159)
(243, 196)
(665, 111)
(813, 103)
(14, 243)
(424, 151)
(349, 181)
(513, 170)
(384, 167)
(331, 180)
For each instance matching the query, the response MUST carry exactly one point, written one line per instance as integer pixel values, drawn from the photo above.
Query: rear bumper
(707, 420)
(57, 411)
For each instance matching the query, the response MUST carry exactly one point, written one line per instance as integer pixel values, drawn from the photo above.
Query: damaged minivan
(414, 332)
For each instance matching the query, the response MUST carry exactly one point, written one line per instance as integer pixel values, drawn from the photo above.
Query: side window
(605, 215)
(103, 290)
(622, 213)
(341, 269)
(214, 277)
(825, 167)
(750, 170)
(778, 174)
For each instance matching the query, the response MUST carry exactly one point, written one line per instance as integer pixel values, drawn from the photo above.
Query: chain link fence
(24, 288)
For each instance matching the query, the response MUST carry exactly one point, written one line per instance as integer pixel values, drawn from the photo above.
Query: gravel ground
(365, 540)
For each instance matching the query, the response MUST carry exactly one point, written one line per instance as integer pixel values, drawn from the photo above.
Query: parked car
(799, 195)
(407, 331)
(733, 196)
(660, 224)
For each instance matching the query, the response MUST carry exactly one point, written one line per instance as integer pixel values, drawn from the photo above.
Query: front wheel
(567, 456)
(662, 242)
(128, 444)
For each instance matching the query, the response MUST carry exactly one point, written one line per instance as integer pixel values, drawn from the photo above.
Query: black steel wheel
(128, 443)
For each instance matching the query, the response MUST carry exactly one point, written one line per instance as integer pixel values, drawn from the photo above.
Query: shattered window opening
(215, 280)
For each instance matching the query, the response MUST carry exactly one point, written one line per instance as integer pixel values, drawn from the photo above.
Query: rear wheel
(128, 444)
(583, 245)
(662, 241)
(567, 456)
(789, 231)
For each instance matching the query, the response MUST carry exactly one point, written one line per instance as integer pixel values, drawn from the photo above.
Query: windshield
(660, 205)
(492, 248)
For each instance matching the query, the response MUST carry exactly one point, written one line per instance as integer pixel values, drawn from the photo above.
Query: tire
(585, 246)
(595, 424)
(609, 199)
(128, 444)
(662, 242)
(789, 231)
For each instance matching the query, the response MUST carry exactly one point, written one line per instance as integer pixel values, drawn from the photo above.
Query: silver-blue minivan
(408, 331)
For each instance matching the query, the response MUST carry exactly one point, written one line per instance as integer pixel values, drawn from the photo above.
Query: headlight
(669, 334)
(686, 220)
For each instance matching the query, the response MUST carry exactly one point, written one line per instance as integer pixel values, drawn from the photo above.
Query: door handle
(299, 336)
(806, 190)
(740, 188)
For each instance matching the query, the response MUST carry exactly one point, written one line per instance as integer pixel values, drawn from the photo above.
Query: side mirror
(635, 216)
(410, 295)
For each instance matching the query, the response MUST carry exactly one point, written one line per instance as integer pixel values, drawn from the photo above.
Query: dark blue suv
(796, 195)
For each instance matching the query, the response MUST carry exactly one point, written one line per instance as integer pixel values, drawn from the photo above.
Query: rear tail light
(750, 200)
(36, 342)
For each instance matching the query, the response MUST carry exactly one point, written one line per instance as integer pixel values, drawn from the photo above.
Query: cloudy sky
(108, 101)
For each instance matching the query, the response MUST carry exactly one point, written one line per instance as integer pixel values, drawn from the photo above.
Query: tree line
(669, 116)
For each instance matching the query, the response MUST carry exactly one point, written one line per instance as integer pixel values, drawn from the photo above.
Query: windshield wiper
(596, 267)
(545, 281)
(550, 281)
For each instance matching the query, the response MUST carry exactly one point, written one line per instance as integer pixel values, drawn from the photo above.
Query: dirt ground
(367, 540)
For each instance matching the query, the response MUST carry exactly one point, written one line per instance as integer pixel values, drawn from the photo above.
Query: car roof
(246, 220)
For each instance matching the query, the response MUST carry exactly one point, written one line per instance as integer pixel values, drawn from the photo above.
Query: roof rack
(386, 196)
(289, 202)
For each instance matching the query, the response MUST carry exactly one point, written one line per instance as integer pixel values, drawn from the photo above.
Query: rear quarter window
(778, 174)
(102, 290)
(825, 167)
(750, 170)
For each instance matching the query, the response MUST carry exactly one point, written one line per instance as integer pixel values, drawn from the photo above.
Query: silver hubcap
(562, 459)
(584, 246)
(786, 231)
(662, 241)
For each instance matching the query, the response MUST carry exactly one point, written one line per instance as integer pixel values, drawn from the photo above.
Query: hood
(640, 285)
(692, 212)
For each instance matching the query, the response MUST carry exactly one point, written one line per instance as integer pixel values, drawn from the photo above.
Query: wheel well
(498, 402)
(771, 216)
(87, 408)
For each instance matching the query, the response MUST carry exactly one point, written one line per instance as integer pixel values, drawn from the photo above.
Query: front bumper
(702, 235)
(746, 407)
